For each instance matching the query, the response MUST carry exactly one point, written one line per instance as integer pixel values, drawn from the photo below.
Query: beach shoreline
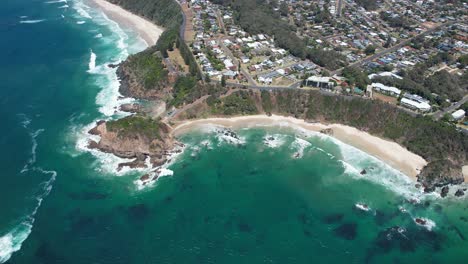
(146, 29)
(387, 151)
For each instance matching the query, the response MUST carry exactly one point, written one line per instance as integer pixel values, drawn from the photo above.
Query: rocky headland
(136, 137)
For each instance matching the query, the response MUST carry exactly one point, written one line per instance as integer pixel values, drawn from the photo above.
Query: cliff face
(135, 138)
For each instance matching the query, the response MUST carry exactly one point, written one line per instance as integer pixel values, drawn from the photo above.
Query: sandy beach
(390, 152)
(148, 31)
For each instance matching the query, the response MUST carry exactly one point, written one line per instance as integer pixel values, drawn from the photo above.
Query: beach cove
(390, 152)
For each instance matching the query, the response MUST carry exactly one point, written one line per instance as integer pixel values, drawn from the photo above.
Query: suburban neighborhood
(394, 51)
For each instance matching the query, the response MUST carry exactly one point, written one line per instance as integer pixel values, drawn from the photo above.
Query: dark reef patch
(346, 231)
(46, 254)
(138, 211)
(404, 240)
(244, 227)
(333, 218)
(87, 195)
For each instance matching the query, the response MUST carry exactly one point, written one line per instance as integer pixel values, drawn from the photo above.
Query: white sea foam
(92, 62)
(166, 172)
(64, 6)
(123, 37)
(161, 171)
(80, 22)
(23, 16)
(362, 207)
(12, 241)
(274, 141)
(32, 159)
(82, 9)
(299, 145)
(56, 1)
(108, 98)
(105, 162)
(428, 223)
(33, 21)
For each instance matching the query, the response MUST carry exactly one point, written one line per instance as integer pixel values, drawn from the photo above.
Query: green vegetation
(422, 81)
(131, 125)
(356, 76)
(238, 103)
(465, 107)
(182, 88)
(396, 21)
(164, 12)
(266, 102)
(463, 60)
(149, 69)
(367, 4)
(168, 14)
(369, 50)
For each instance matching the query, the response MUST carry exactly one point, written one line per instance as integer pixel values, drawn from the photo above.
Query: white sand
(388, 151)
(148, 31)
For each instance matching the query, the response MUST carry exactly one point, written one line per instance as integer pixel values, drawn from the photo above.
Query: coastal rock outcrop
(327, 131)
(459, 193)
(439, 174)
(135, 137)
(444, 191)
(131, 108)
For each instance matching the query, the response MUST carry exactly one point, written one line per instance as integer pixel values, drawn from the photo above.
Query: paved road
(439, 114)
(392, 49)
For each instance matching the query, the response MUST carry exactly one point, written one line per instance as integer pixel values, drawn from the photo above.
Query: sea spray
(92, 62)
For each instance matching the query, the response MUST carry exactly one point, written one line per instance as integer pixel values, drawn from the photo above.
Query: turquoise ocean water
(276, 195)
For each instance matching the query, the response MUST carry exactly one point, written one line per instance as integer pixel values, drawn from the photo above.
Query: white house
(415, 105)
(320, 82)
(458, 115)
(389, 90)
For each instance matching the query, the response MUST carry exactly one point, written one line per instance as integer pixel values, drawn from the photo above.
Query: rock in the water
(347, 231)
(327, 131)
(459, 193)
(444, 191)
(93, 144)
(95, 130)
(144, 177)
(131, 108)
(363, 172)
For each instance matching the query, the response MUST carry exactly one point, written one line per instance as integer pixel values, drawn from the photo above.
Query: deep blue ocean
(226, 202)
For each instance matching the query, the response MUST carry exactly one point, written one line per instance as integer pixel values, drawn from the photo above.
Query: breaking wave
(56, 1)
(12, 241)
(92, 61)
(32, 21)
